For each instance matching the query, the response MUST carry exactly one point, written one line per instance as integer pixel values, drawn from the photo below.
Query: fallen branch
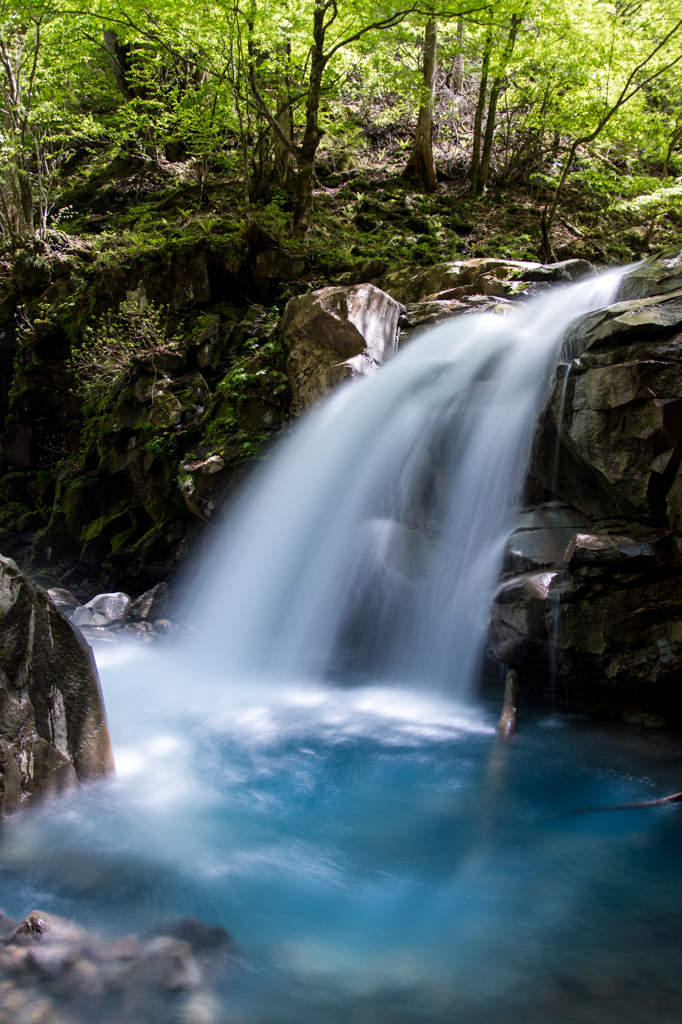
(675, 798)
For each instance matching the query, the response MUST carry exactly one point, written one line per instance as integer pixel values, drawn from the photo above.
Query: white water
(318, 574)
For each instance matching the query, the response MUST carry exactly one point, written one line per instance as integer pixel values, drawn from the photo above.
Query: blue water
(374, 852)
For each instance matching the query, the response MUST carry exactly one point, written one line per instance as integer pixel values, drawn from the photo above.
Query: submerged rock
(53, 970)
(53, 732)
(336, 333)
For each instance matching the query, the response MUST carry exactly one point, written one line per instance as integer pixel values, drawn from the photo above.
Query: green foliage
(102, 363)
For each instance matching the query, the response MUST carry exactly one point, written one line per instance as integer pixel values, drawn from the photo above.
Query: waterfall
(367, 546)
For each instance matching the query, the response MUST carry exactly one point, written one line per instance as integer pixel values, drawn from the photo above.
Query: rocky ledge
(589, 606)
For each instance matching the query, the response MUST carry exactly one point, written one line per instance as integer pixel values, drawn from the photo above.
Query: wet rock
(152, 604)
(64, 600)
(40, 927)
(52, 727)
(484, 277)
(165, 627)
(542, 536)
(105, 609)
(615, 413)
(429, 312)
(656, 276)
(333, 334)
(53, 971)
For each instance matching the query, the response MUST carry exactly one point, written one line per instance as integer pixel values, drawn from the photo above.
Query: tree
(421, 163)
(327, 19)
(656, 58)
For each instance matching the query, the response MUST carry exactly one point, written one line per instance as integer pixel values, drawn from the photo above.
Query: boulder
(542, 536)
(152, 604)
(656, 276)
(334, 334)
(63, 600)
(53, 970)
(104, 609)
(429, 312)
(616, 422)
(484, 276)
(53, 732)
(602, 629)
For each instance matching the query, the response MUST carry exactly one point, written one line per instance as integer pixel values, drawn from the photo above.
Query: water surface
(373, 851)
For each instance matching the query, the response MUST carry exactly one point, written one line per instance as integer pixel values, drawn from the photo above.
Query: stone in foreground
(53, 732)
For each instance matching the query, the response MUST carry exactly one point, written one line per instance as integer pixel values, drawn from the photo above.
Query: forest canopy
(536, 94)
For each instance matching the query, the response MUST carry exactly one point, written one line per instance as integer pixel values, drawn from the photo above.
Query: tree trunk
(284, 161)
(478, 119)
(421, 163)
(118, 60)
(458, 80)
(303, 211)
(484, 170)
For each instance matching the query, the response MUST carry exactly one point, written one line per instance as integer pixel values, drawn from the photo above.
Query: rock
(152, 604)
(166, 409)
(106, 609)
(608, 635)
(201, 937)
(618, 416)
(566, 270)
(277, 265)
(334, 333)
(52, 727)
(53, 970)
(85, 617)
(656, 276)
(41, 927)
(455, 280)
(16, 445)
(541, 537)
(165, 627)
(63, 600)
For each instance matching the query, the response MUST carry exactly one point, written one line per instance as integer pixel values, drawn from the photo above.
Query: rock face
(53, 732)
(594, 608)
(336, 333)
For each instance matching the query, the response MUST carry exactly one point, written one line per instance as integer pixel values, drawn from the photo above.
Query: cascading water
(370, 857)
(369, 547)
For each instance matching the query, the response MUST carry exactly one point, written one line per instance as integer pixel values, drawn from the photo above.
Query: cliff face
(133, 401)
(590, 600)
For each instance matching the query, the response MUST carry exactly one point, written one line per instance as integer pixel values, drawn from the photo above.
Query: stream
(317, 770)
